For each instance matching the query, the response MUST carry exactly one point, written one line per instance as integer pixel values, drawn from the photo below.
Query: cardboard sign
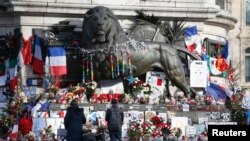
(157, 81)
(198, 74)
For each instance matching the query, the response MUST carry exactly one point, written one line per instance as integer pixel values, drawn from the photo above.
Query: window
(247, 64)
(214, 48)
(247, 12)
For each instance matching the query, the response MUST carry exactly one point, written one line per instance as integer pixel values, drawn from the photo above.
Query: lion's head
(100, 26)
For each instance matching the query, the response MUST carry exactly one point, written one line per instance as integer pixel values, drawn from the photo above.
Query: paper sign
(185, 107)
(198, 74)
(157, 81)
(190, 130)
(180, 122)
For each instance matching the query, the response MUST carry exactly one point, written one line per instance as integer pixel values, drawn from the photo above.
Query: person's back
(114, 118)
(73, 122)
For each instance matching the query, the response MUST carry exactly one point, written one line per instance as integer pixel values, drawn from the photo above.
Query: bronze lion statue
(101, 30)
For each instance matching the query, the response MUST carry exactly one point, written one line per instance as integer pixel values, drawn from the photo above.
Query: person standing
(114, 118)
(73, 122)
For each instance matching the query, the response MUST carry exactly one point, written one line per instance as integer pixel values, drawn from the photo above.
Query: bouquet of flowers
(147, 129)
(135, 129)
(47, 130)
(139, 86)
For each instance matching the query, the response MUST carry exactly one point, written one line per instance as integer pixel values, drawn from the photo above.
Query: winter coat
(73, 122)
(108, 116)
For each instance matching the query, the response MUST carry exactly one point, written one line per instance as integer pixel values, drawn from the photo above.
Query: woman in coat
(73, 122)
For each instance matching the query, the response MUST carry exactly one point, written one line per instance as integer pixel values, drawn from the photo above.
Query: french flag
(192, 40)
(37, 58)
(57, 58)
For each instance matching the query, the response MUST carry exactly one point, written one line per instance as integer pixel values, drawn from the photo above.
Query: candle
(91, 69)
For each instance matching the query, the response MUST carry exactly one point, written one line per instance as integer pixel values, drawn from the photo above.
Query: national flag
(212, 66)
(3, 75)
(192, 40)
(13, 73)
(57, 58)
(37, 59)
(223, 62)
(216, 92)
(25, 55)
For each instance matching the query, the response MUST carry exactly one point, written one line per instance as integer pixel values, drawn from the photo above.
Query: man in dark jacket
(73, 122)
(114, 118)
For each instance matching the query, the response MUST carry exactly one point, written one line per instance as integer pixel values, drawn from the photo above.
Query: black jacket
(73, 122)
(108, 114)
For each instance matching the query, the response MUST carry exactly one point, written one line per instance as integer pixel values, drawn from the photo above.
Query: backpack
(115, 123)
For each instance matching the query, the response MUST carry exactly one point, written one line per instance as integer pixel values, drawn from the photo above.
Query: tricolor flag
(192, 39)
(37, 59)
(223, 62)
(57, 58)
(25, 55)
(13, 73)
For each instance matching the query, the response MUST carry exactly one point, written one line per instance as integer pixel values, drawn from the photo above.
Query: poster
(180, 122)
(133, 116)
(157, 81)
(198, 74)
